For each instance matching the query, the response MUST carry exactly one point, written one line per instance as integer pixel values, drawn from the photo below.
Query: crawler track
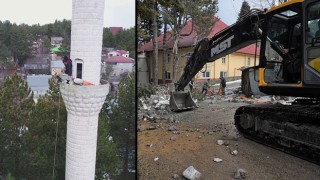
(294, 129)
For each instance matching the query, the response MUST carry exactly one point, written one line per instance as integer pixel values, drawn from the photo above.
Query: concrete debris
(172, 128)
(191, 173)
(240, 174)
(173, 138)
(235, 152)
(217, 160)
(176, 132)
(175, 176)
(141, 128)
(156, 107)
(220, 142)
(152, 128)
(149, 145)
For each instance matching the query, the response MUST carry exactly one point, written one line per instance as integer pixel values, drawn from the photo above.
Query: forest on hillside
(16, 40)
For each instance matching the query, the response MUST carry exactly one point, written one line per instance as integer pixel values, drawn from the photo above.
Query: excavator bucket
(181, 101)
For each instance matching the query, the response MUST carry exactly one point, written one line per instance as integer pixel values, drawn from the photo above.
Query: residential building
(118, 53)
(56, 40)
(115, 30)
(37, 65)
(39, 85)
(56, 67)
(227, 66)
(120, 64)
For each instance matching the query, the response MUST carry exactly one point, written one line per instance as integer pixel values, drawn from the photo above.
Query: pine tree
(123, 122)
(41, 137)
(245, 8)
(16, 102)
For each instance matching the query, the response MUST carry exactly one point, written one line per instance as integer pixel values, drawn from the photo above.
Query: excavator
(289, 65)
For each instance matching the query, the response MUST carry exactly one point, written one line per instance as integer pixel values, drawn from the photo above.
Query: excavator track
(294, 129)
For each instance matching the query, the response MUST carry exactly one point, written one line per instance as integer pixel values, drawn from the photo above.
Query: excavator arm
(241, 34)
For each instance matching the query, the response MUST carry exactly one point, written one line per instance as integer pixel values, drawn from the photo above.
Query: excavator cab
(290, 50)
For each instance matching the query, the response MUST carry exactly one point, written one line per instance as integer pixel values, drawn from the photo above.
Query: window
(223, 60)
(168, 60)
(168, 75)
(313, 29)
(223, 74)
(206, 74)
(248, 62)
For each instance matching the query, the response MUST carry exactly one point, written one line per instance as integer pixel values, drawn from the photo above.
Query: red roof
(188, 41)
(118, 59)
(251, 49)
(115, 30)
(121, 52)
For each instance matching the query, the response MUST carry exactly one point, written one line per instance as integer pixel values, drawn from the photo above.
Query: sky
(118, 13)
(229, 9)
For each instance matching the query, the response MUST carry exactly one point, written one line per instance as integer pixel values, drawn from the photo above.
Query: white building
(120, 64)
(122, 53)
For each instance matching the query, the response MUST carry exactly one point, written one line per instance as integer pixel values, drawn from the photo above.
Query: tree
(107, 159)
(4, 55)
(20, 44)
(155, 43)
(179, 13)
(16, 102)
(245, 8)
(123, 122)
(48, 115)
(108, 38)
(107, 71)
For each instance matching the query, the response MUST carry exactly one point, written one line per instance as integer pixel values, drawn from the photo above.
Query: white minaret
(84, 102)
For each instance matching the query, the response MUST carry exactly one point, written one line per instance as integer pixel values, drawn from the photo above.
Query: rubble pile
(156, 107)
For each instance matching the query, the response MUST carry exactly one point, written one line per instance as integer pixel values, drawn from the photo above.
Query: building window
(168, 75)
(248, 62)
(223, 60)
(169, 56)
(206, 74)
(223, 74)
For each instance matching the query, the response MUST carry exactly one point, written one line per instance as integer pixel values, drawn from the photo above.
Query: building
(118, 53)
(56, 67)
(120, 64)
(55, 40)
(115, 30)
(227, 66)
(39, 85)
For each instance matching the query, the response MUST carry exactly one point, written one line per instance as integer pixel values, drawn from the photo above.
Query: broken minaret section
(84, 102)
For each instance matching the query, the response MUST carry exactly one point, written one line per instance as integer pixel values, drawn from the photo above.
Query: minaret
(84, 102)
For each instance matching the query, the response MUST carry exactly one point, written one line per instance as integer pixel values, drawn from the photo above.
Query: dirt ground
(192, 141)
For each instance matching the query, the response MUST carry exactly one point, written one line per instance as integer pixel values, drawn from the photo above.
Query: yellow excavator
(289, 65)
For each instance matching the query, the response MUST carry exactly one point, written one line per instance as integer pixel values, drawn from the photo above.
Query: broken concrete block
(217, 160)
(191, 173)
(175, 176)
(240, 173)
(141, 128)
(235, 152)
(172, 128)
(220, 142)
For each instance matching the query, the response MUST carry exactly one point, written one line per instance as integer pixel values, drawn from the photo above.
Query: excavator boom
(231, 39)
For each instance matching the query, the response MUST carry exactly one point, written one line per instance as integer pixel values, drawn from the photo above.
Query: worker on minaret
(85, 96)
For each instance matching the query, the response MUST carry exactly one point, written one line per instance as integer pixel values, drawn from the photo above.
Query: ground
(166, 147)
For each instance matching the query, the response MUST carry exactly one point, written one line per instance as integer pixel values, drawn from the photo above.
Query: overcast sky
(117, 12)
(229, 9)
